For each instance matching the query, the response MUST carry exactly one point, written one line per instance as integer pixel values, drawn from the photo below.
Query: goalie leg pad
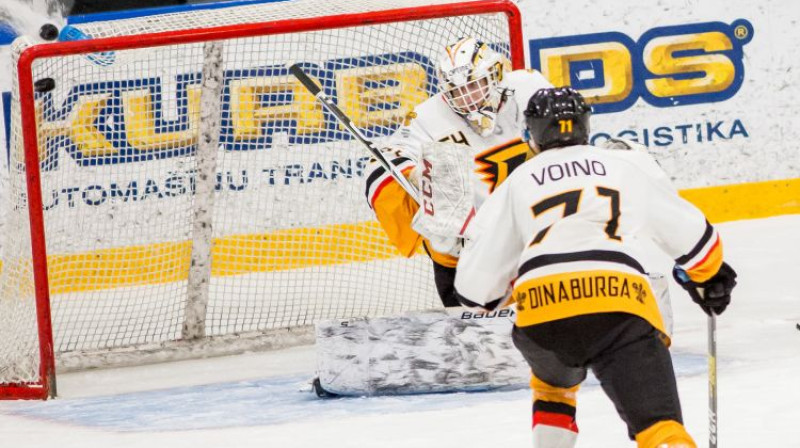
(418, 353)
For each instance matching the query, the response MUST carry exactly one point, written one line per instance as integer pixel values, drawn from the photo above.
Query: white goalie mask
(469, 75)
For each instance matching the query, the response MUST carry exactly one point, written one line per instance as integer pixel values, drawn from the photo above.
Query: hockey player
(480, 112)
(480, 105)
(561, 239)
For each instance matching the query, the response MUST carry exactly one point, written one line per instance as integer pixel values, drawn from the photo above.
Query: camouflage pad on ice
(419, 353)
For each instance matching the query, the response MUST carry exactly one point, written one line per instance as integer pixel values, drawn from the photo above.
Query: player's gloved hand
(714, 294)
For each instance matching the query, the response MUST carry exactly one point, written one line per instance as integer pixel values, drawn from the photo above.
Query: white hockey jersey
(495, 156)
(563, 236)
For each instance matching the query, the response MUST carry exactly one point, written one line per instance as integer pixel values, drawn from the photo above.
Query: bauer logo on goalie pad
(504, 313)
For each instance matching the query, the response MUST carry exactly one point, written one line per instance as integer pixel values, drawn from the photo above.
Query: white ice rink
(255, 400)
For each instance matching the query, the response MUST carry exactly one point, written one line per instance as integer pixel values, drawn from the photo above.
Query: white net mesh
(293, 238)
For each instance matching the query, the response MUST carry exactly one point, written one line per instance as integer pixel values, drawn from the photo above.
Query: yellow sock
(665, 434)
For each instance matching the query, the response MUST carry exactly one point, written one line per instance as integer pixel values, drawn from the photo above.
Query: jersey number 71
(571, 201)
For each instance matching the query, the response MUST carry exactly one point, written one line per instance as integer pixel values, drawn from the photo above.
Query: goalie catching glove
(443, 177)
(714, 294)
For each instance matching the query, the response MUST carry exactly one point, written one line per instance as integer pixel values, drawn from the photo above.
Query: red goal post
(33, 377)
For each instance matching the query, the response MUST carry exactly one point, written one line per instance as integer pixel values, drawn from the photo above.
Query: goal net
(184, 186)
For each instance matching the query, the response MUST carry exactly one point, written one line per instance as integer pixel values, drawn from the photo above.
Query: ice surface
(255, 399)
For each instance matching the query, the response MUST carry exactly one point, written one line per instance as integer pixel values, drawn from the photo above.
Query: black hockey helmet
(557, 117)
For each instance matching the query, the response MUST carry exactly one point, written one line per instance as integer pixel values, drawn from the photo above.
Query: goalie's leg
(444, 278)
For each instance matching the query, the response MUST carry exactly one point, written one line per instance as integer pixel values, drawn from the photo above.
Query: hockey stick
(348, 124)
(712, 381)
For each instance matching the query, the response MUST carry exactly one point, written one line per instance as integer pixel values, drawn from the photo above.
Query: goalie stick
(348, 124)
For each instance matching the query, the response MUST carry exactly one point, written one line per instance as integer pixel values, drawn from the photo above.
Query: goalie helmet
(557, 117)
(469, 75)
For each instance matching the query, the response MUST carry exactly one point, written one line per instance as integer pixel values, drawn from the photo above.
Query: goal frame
(46, 386)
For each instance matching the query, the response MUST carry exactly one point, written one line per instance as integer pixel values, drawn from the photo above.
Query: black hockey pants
(625, 353)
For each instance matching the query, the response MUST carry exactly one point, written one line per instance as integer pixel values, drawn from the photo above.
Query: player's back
(563, 231)
(585, 203)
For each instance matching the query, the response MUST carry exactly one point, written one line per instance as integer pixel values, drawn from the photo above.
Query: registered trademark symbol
(741, 32)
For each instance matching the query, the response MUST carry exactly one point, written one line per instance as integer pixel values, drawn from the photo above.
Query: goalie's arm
(393, 207)
(395, 211)
(389, 193)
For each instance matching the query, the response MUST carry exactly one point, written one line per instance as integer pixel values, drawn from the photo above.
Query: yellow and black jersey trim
(709, 231)
(569, 294)
(705, 258)
(605, 256)
(579, 291)
(379, 178)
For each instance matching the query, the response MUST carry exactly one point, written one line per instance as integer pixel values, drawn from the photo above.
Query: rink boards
(699, 86)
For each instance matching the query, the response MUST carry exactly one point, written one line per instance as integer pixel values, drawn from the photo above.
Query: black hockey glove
(714, 294)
